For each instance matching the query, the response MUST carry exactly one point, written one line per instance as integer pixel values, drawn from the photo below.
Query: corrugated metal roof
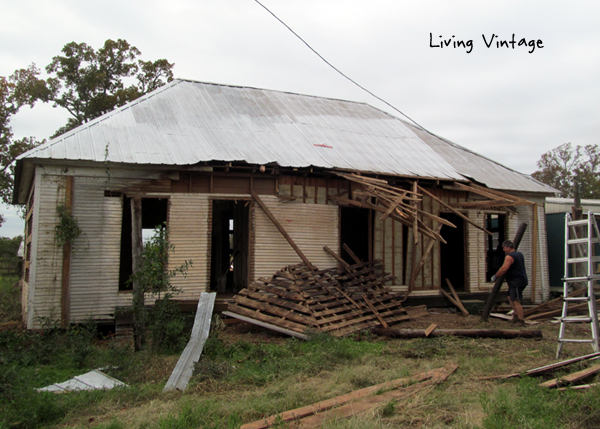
(187, 122)
(479, 168)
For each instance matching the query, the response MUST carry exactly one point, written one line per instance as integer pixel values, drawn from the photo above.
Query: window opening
(154, 213)
(496, 224)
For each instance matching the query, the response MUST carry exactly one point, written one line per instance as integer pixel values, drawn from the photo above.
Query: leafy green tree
(21, 88)
(566, 165)
(84, 81)
(162, 323)
(89, 83)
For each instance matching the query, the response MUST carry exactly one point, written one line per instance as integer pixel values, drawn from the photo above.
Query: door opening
(452, 254)
(355, 232)
(229, 246)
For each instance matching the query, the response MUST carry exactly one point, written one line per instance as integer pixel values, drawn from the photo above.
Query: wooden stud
(65, 295)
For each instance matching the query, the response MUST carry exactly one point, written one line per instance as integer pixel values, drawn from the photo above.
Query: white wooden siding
(94, 281)
(477, 253)
(311, 226)
(46, 264)
(189, 229)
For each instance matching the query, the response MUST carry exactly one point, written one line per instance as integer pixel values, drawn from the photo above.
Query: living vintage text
(490, 41)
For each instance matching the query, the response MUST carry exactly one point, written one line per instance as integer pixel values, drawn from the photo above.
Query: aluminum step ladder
(582, 271)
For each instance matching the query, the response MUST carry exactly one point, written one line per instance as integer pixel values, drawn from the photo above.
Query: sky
(436, 61)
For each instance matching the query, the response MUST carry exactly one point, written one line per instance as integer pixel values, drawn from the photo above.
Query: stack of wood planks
(297, 300)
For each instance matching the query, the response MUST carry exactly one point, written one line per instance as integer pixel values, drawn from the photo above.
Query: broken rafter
(367, 205)
(378, 184)
(453, 210)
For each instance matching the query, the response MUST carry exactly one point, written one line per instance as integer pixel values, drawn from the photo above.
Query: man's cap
(508, 243)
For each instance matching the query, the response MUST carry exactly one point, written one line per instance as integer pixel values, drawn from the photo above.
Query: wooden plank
(453, 210)
(266, 325)
(458, 301)
(184, 368)
(545, 368)
(534, 252)
(554, 303)
(273, 300)
(470, 333)
(427, 252)
(572, 378)
(136, 257)
(278, 292)
(385, 325)
(311, 409)
(430, 329)
(65, 294)
(274, 310)
(369, 403)
(451, 299)
(234, 308)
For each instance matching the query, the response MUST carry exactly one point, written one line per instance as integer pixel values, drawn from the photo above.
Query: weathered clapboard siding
(523, 215)
(45, 276)
(476, 251)
(189, 228)
(95, 258)
(311, 226)
(543, 277)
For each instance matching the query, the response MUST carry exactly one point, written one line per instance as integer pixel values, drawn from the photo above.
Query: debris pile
(338, 301)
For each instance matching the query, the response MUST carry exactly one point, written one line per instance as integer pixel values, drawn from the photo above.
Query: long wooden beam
(65, 294)
(281, 229)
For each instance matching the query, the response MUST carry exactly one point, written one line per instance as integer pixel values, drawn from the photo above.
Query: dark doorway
(452, 254)
(229, 246)
(496, 224)
(355, 232)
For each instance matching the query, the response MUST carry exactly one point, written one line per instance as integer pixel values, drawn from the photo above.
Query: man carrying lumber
(513, 270)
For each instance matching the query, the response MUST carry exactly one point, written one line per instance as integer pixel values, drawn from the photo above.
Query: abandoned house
(209, 159)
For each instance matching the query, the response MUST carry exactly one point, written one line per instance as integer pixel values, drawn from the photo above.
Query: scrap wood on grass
(568, 379)
(359, 401)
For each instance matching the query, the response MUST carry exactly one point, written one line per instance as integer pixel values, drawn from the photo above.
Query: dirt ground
(444, 318)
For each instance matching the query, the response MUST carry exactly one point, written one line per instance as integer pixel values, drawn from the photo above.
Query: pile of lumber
(297, 300)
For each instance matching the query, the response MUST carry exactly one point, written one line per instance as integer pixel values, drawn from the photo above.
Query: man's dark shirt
(516, 276)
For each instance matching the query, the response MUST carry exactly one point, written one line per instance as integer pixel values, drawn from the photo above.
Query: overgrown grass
(236, 382)
(10, 299)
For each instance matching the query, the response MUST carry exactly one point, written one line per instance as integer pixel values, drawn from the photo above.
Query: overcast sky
(507, 104)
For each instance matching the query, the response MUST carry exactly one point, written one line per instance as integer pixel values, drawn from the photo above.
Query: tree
(162, 322)
(566, 166)
(89, 83)
(21, 88)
